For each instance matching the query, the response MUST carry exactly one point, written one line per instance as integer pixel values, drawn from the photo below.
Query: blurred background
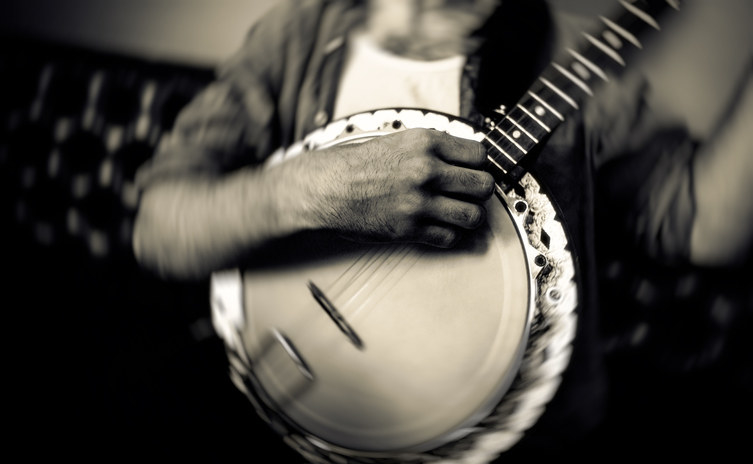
(107, 361)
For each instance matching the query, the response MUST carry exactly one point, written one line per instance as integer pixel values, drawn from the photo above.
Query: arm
(677, 201)
(417, 185)
(189, 226)
(723, 227)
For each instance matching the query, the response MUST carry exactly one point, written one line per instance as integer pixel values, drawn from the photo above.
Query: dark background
(106, 362)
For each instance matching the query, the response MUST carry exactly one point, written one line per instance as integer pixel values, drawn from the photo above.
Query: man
(210, 203)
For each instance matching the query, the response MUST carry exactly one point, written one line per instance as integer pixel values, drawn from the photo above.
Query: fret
(533, 118)
(504, 147)
(640, 14)
(513, 131)
(565, 97)
(546, 105)
(544, 100)
(588, 64)
(618, 32)
(605, 48)
(507, 144)
(506, 133)
(529, 128)
(493, 160)
(583, 86)
(551, 114)
(522, 130)
(594, 55)
(633, 21)
(504, 163)
(624, 33)
(573, 68)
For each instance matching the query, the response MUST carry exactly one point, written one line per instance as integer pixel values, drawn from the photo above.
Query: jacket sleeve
(232, 121)
(644, 182)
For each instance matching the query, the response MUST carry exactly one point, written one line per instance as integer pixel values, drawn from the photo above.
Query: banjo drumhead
(443, 333)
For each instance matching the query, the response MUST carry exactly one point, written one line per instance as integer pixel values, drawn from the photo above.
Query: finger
(438, 235)
(456, 212)
(464, 182)
(460, 151)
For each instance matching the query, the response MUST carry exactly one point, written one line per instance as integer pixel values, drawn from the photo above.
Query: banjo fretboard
(569, 80)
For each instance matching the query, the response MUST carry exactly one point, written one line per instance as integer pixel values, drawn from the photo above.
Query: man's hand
(416, 185)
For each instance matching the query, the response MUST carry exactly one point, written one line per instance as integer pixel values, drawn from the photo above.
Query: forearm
(189, 227)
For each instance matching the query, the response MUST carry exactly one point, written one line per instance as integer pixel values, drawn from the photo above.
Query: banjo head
(386, 351)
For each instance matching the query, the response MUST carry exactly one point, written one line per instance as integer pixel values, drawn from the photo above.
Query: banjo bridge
(335, 315)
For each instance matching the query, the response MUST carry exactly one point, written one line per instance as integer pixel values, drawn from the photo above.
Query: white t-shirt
(374, 78)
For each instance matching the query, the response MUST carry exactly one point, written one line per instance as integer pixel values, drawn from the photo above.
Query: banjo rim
(549, 332)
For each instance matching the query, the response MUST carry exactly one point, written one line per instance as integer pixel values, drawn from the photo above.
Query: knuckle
(442, 237)
(486, 183)
(398, 231)
(479, 184)
(447, 238)
(471, 216)
(478, 216)
(474, 152)
(471, 179)
(422, 168)
(423, 137)
(412, 205)
(481, 152)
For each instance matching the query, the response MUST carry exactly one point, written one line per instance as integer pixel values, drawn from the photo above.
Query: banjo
(402, 352)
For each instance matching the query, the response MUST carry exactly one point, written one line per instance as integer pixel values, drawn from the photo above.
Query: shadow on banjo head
(310, 248)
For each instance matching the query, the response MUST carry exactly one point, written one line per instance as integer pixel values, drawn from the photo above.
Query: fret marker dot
(612, 39)
(539, 110)
(581, 70)
(516, 134)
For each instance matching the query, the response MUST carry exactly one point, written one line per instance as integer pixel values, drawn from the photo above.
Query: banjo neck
(566, 83)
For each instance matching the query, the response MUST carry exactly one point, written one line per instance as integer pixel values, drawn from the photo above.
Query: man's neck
(427, 29)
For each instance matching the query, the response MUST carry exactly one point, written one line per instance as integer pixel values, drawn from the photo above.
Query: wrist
(281, 200)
